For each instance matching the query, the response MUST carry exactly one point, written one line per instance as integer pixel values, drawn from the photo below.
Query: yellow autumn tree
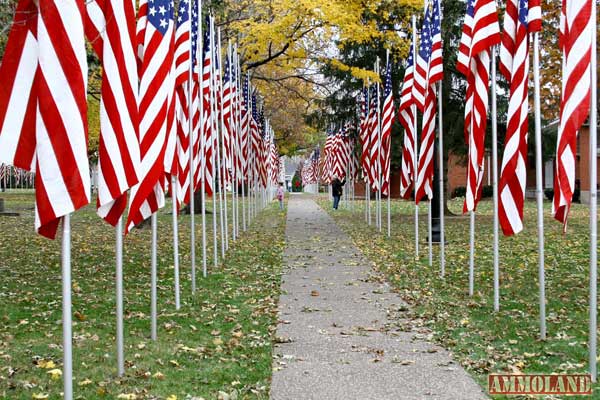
(284, 42)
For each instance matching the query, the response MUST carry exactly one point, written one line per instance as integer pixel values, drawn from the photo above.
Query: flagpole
(471, 252)
(222, 164)
(203, 145)
(539, 194)
(593, 200)
(191, 200)
(429, 239)
(119, 295)
(66, 309)
(389, 183)
(495, 183)
(175, 240)
(153, 296)
(214, 145)
(441, 182)
(415, 146)
(234, 145)
(379, 175)
(367, 201)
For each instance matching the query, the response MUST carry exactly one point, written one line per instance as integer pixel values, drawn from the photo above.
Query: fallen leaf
(55, 373)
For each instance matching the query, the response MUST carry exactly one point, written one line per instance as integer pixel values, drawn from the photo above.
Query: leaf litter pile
(484, 341)
(217, 346)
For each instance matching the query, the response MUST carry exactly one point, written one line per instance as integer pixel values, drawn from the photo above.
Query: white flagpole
(191, 190)
(66, 309)
(153, 295)
(441, 182)
(429, 238)
(415, 146)
(119, 299)
(495, 183)
(214, 144)
(367, 199)
(219, 150)
(202, 165)
(593, 201)
(379, 174)
(539, 194)
(234, 118)
(221, 156)
(191, 141)
(471, 252)
(389, 196)
(243, 178)
(175, 241)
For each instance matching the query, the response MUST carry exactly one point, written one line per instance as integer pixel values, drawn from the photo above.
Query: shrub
(459, 191)
(576, 195)
(487, 191)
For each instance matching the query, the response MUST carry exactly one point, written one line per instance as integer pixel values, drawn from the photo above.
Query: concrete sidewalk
(338, 327)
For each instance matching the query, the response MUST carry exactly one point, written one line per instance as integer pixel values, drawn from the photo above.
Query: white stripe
(10, 131)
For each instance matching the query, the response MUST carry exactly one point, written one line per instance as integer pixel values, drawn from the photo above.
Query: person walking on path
(337, 190)
(280, 195)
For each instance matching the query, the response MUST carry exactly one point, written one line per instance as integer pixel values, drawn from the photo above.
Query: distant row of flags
(14, 178)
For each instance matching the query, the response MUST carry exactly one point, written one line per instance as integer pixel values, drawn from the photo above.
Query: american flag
(406, 116)
(430, 51)
(364, 133)
(315, 165)
(208, 135)
(186, 41)
(521, 18)
(429, 65)
(307, 172)
(228, 131)
(17, 173)
(236, 118)
(255, 139)
(575, 41)
(43, 126)
(155, 52)
(340, 154)
(2, 172)
(480, 33)
(245, 144)
(387, 119)
(264, 150)
(374, 143)
(329, 151)
(110, 28)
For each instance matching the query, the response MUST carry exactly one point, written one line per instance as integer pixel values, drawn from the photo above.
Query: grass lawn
(484, 341)
(218, 345)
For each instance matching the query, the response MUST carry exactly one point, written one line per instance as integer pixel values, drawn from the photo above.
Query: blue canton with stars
(410, 61)
(245, 91)
(387, 89)
(431, 28)
(160, 14)
(183, 17)
(226, 76)
(523, 12)
(471, 8)
(207, 41)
